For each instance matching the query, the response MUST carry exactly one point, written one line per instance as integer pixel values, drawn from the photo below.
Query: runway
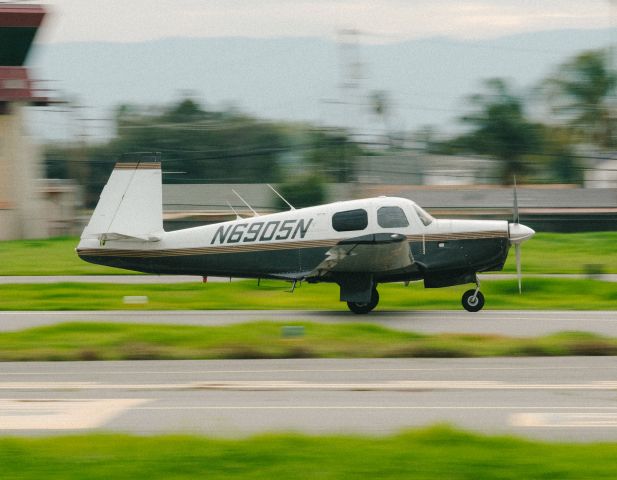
(499, 322)
(570, 398)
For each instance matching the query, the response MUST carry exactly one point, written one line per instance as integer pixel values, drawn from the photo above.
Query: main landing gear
(361, 308)
(473, 300)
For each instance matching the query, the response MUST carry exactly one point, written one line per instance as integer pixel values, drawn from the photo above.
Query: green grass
(538, 293)
(433, 453)
(568, 253)
(47, 257)
(545, 253)
(118, 341)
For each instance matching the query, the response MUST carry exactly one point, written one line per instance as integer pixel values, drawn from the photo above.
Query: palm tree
(580, 93)
(500, 129)
(380, 106)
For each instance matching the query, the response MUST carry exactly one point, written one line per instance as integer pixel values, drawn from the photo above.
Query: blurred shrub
(431, 351)
(592, 348)
(304, 191)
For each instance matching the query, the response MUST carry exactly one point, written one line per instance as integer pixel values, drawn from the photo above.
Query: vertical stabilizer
(131, 204)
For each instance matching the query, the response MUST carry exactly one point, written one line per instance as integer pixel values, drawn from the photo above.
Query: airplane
(357, 244)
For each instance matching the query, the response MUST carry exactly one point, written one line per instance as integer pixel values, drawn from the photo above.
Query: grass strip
(581, 253)
(432, 453)
(538, 293)
(546, 253)
(258, 340)
(55, 256)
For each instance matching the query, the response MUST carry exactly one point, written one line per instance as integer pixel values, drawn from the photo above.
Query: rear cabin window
(350, 220)
(391, 217)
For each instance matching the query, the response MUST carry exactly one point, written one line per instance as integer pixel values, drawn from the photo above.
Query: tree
(332, 153)
(500, 129)
(580, 91)
(381, 107)
(203, 146)
(563, 163)
(304, 191)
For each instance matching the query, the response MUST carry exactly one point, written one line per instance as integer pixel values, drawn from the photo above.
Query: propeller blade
(517, 249)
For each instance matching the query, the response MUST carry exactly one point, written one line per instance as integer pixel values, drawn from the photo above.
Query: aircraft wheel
(472, 301)
(362, 308)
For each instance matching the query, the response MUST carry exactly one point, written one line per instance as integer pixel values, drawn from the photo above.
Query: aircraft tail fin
(131, 204)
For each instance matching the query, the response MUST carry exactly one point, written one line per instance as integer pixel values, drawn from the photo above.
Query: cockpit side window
(391, 217)
(424, 216)
(350, 220)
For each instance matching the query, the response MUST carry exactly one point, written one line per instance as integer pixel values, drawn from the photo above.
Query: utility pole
(352, 75)
(612, 71)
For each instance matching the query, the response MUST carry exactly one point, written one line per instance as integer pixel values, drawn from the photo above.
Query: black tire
(362, 308)
(472, 301)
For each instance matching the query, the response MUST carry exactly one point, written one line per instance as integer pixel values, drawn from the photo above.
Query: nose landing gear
(473, 300)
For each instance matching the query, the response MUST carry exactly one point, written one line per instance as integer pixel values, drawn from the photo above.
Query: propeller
(515, 215)
(518, 234)
(517, 246)
(519, 274)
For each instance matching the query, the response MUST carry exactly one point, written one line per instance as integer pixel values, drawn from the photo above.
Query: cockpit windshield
(424, 216)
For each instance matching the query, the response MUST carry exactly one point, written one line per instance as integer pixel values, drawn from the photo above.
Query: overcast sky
(380, 20)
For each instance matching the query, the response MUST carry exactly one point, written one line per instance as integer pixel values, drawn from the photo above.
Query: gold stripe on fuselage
(138, 166)
(236, 248)
(444, 237)
(257, 247)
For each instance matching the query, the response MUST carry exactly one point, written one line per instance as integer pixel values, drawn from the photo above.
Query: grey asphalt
(500, 322)
(572, 398)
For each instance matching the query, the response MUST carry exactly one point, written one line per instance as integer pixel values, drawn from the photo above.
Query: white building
(602, 175)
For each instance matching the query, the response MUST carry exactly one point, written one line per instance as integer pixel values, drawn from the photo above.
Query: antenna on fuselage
(255, 214)
(281, 196)
(238, 217)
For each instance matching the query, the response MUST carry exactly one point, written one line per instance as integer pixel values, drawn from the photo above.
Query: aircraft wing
(380, 252)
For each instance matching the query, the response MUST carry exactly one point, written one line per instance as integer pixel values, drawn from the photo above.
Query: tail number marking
(262, 231)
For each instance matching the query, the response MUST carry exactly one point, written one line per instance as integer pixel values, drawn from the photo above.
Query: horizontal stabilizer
(118, 236)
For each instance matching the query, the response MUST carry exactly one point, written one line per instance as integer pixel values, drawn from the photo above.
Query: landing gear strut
(473, 300)
(361, 308)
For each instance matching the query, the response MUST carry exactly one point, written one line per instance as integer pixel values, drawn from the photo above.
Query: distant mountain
(298, 78)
